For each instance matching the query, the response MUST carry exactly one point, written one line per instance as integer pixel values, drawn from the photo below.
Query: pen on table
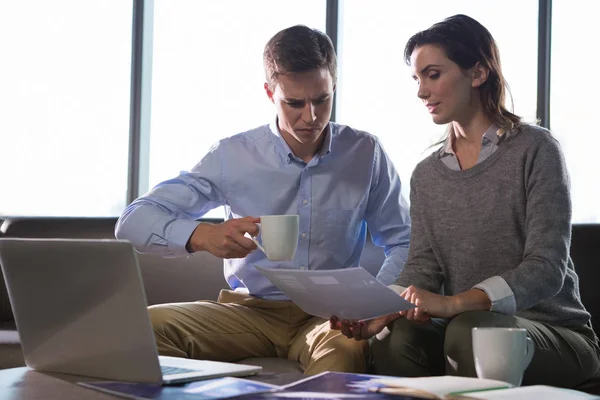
(403, 391)
(479, 390)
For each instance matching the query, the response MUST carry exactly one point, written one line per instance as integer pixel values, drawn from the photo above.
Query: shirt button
(303, 235)
(305, 202)
(287, 160)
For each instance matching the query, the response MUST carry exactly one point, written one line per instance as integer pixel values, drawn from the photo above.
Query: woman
(491, 227)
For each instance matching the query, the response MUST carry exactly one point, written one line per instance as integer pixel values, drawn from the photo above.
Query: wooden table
(24, 383)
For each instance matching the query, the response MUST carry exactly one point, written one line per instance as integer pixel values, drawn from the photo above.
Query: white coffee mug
(279, 236)
(502, 353)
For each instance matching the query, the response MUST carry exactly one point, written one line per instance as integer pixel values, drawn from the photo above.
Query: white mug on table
(502, 353)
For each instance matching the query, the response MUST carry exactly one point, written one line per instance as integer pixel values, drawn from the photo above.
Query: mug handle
(255, 240)
(528, 353)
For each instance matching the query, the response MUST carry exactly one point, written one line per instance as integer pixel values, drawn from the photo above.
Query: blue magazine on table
(330, 386)
(219, 388)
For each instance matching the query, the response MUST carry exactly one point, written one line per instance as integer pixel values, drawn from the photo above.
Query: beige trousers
(240, 326)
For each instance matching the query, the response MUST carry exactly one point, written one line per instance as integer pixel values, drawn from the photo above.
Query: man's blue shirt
(349, 184)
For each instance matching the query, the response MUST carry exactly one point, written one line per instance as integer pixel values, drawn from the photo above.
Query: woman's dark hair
(298, 49)
(466, 42)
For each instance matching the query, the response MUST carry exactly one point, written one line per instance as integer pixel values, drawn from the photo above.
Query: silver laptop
(80, 308)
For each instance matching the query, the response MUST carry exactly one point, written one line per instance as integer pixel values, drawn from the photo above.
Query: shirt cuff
(397, 288)
(500, 294)
(178, 234)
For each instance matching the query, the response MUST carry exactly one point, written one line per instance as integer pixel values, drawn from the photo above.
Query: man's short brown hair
(298, 49)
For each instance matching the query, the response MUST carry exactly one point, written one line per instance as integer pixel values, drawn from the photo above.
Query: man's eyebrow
(323, 96)
(320, 97)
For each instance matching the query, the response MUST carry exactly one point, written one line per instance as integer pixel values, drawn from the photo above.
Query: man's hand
(361, 330)
(225, 240)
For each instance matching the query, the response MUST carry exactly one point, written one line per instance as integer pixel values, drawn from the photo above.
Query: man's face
(303, 101)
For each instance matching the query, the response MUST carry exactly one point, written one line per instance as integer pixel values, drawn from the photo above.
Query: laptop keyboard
(167, 370)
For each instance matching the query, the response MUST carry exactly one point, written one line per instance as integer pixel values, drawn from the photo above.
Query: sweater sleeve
(541, 274)
(422, 268)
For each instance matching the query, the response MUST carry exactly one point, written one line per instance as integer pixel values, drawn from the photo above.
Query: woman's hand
(361, 330)
(427, 305)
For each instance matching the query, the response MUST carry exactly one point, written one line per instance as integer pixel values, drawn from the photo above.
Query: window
(207, 79)
(573, 106)
(64, 107)
(64, 103)
(375, 90)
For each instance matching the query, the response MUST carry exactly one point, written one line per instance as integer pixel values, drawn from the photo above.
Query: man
(335, 178)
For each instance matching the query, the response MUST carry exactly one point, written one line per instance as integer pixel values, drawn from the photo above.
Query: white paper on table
(532, 392)
(350, 293)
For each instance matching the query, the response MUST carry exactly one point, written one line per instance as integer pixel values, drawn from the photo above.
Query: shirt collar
(491, 134)
(282, 144)
(326, 148)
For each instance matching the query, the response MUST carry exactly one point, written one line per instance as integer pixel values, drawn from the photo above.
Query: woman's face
(448, 92)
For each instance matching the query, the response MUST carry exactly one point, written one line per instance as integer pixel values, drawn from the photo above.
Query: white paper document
(350, 293)
(533, 392)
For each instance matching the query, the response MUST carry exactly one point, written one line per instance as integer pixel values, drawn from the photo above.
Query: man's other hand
(361, 330)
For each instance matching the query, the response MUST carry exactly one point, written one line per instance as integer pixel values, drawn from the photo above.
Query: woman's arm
(422, 268)
(547, 228)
